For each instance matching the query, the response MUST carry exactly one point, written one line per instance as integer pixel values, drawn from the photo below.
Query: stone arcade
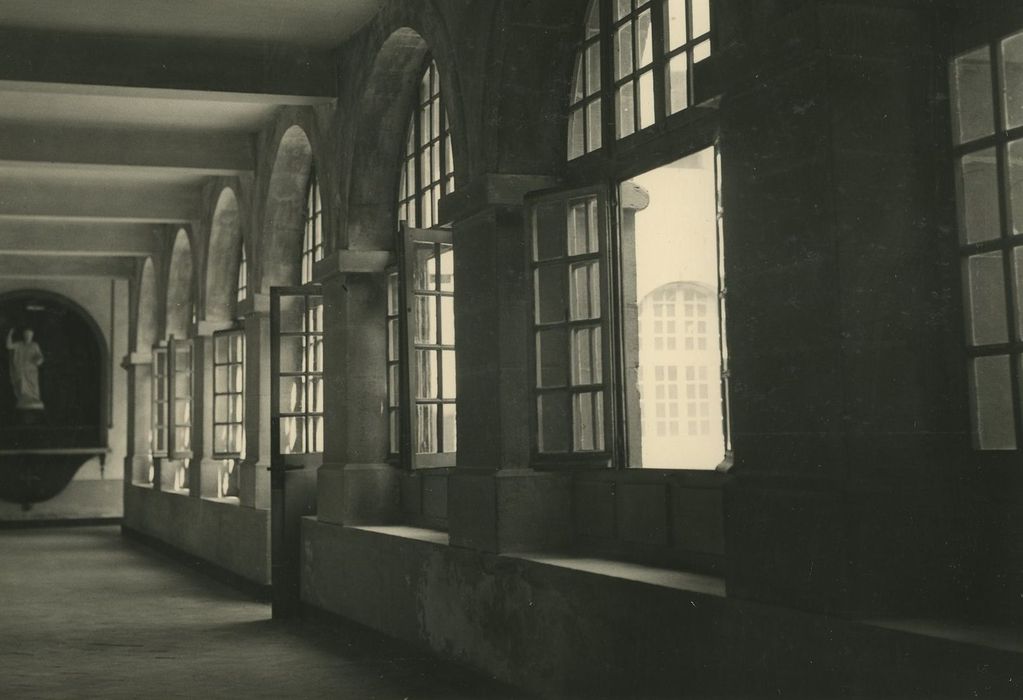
(608, 347)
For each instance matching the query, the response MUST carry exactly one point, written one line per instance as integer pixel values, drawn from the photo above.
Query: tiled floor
(86, 614)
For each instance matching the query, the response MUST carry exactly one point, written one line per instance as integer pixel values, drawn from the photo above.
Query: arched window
(312, 237)
(428, 172)
(421, 345)
(652, 46)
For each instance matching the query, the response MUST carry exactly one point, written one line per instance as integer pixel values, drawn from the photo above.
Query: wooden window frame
(231, 335)
(312, 227)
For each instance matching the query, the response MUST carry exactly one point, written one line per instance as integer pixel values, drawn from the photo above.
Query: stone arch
(146, 316)
(384, 107)
(179, 288)
(223, 257)
(282, 221)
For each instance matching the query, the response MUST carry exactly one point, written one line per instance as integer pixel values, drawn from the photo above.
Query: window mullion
(660, 63)
(406, 350)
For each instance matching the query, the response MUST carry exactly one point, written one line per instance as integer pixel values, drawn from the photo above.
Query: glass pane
(675, 23)
(450, 428)
(553, 419)
(622, 8)
(447, 320)
(292, 434)
(221, 409)
(237, 378)
(392, 385)
(576, 134)
(314, 436)
(1015, 157)
(314, 315)
(221, 348)
(314, 394)
(587, 430)
(623, 51)
(646, 99)
(585, 292)
(426, 374)
(644, 40)
(549, 232)
(292, 353)
(425, 319)
(701, 51)
(583, 226)
(448, 375)
(586, 356)
(183, 439)
(183, 411)
(292, 313)
(552, 357)
(593, 19)
(624, 102)
(394, 434)
(551, 293)
(985, 281)
(593, 68)
(677, 84)
(973, 108)
(426, 429)
(594, 134)
(978, 192)
(392, 294)
(220, 439)
(1012, 79)
(392, 339)
(292, 399)
(182, 384)
(447, 269)
(701, 17)
(993, 425)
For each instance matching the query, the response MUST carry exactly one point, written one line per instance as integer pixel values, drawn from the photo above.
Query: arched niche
(179, 288)
(222, 260)
(146, 315)
(384, 110)
(72, 381)
(282, 229)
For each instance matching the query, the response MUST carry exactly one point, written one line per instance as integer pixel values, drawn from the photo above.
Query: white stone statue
(25, 358)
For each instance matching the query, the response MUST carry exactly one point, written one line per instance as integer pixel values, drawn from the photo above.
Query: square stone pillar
(254, 475)
(139, 457)
(496, 502)
(355, 484)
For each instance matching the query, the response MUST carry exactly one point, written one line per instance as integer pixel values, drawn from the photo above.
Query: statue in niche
(25, 358)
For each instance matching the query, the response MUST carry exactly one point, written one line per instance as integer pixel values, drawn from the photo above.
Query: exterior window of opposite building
(312, 237)
(987, 111)
(635, 61)
(421, 312)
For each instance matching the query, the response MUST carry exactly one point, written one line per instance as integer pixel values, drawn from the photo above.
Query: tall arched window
(421, 344)
(243, 276)
(650, 47)
(312, 237)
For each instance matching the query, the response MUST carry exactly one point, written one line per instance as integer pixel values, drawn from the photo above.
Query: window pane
(426, 428)
(221, 348)
(1012, 79)
(450, 425)
(424, 270)
(646, 99)
(625, 109)
(585, 292)
(448, 375)
(426, 374)
(993, 425)
(677, 84)
(978, 192)
(293, 431)
(549, 232)
(644, 40)
(392, 339)
(701, 51)
(622, 8)
(447, 269)
(554, 424)
(447, 320)
(551, 301)
(292, 353)
(586, 356)
(552, 357)
(292, 398)
(985, 280)
(587, 422)
(593, 68)
(576, 134)
(425, 319)
(583, 226)
(675, 24)
(1015, 157)
(593, 19)
(678, 355)
(594, 136)
(292, 317)
(701, 17)
(972, 99)
(623, 51)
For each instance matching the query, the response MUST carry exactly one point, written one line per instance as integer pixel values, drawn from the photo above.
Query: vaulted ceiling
(114, 113)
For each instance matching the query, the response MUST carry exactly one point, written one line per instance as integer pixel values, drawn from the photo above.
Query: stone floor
(86, 614)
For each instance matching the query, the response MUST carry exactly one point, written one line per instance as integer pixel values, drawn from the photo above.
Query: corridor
(87, 614)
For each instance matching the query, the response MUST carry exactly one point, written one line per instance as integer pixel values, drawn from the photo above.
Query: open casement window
(180, 369)
(296, 367)
(634, 68)
(161, 413)
(242, 285)
(228, 393)
(421, 350)
(987, 111)
(628, 319)
(312, 235)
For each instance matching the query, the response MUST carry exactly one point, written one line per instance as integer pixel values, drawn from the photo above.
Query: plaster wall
(95, 491)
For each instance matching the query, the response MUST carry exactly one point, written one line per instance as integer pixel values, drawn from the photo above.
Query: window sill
(226, 500)
(407, 532)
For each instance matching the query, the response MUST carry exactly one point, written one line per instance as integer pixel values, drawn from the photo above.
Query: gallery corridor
(87, 614)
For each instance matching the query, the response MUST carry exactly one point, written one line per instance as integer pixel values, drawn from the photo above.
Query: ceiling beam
(187, 152)
(75, 201)
(24, 266)
(80, 239)
(278, 75)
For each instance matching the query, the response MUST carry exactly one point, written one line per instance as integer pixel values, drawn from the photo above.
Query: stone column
(355, 484)
(496, 502)
(839, 255)
(254, 478)
(139, 458)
